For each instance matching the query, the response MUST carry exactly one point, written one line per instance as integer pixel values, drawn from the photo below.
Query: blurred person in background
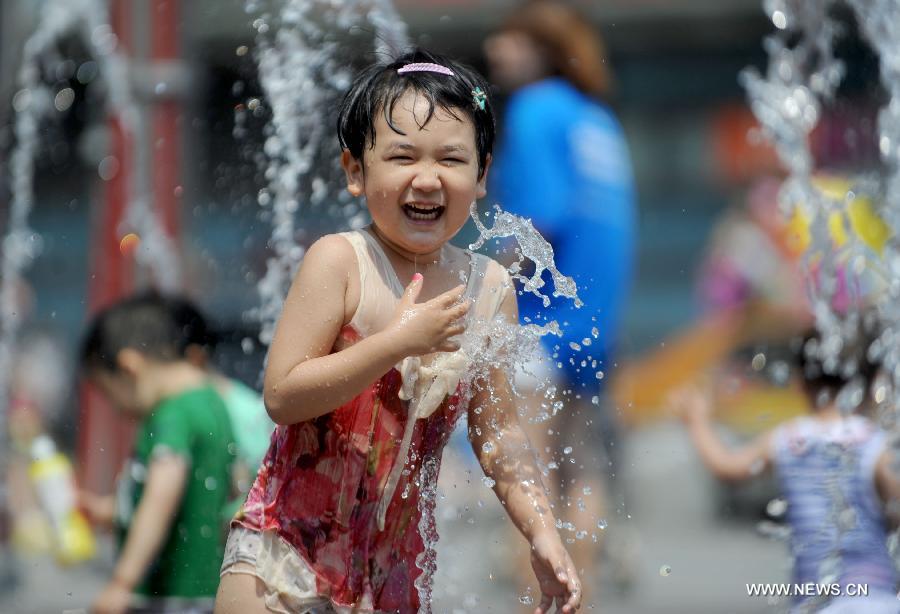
(563, 162)
(249, 419)
(831, 466)
(168, 508)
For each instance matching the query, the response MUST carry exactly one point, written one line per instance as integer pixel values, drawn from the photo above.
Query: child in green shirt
(171, 493)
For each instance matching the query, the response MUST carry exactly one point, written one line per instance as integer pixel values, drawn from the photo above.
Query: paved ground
(672, 524)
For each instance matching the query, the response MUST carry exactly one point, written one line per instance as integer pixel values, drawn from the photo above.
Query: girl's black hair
(380, 86)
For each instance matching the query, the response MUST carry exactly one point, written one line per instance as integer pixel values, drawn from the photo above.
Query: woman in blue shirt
(563, 161)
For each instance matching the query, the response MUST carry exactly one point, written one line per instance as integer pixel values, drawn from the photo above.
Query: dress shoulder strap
(378, 284)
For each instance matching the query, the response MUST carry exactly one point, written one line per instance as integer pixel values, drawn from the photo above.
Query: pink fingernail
(417, 277)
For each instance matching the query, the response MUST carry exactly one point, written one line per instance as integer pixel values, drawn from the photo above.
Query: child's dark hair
(157, 326)
(825, 371)
(195, 328)
(379, 87)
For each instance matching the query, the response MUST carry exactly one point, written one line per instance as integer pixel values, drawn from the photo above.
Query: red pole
(165, 48)
(105, 436)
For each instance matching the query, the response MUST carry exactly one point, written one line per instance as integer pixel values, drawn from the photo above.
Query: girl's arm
(506, 456)
(695, 407)
(303, 379)
(887, 483)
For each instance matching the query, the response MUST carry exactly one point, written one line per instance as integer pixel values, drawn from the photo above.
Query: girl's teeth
(422, 214)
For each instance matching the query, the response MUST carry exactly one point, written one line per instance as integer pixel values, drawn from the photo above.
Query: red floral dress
(320, 484)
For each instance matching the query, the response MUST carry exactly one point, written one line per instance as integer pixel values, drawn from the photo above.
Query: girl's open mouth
(423, 213)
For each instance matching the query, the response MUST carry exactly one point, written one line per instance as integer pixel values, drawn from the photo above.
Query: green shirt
(252, 425)
(194, 425)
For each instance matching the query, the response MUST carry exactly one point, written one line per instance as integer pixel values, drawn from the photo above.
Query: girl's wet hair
(378, 88)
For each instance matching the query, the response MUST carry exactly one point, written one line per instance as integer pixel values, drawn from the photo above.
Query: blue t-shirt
(562, 161)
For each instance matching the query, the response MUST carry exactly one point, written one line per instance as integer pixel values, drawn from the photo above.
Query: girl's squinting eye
(455, 160)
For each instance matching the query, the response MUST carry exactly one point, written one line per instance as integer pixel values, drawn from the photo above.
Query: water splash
(532, 246)
(303, 73)
(801, 79)
(427, 559)
(34, 103)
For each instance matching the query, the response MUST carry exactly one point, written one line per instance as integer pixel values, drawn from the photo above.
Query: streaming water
(304, 69)
(857, 280)
(36, 102)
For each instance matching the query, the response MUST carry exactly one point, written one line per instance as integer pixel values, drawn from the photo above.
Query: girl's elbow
(275, 408)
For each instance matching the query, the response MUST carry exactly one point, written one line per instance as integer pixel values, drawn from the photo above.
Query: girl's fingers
(448, 346)
(460, 310)
(455, 329)
(450, 296)
(546, 602)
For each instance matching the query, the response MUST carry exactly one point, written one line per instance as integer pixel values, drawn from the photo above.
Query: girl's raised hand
(692, 403)
(423, 328)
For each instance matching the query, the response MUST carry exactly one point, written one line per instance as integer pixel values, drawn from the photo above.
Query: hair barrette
(424, 67)
(479, 98)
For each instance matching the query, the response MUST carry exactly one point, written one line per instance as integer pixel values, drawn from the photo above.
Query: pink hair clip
(424, 67)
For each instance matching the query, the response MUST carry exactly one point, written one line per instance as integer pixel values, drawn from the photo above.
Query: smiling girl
(367, 379)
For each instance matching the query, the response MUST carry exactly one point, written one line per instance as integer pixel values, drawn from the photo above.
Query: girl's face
(418, 185)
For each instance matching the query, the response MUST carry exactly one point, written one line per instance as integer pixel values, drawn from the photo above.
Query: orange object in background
(740, 153)
(640, 386)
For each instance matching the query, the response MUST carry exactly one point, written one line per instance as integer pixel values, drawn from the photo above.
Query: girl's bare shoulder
(335, 253)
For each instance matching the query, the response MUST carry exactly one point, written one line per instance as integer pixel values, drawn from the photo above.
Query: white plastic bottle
(53, 480)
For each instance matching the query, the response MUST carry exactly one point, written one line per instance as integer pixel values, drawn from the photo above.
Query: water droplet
(108, 168)
(586, 490)
(665, 570)
(247, 345)
(526, 599)
(595, 333)
(567, 450)
(87, 72)
(759, 362)
(779, 19)
(64, 99)
(777, 507)
(129, 243)
(21, 100)
(210, 483)
(599, 374)
(595, 400)
(488, 481)
(601, 524)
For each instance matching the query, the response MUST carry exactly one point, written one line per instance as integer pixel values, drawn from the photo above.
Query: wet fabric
(563, 162)
(290, 582)
(838, 528)
(322, 480)
(195, 426)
